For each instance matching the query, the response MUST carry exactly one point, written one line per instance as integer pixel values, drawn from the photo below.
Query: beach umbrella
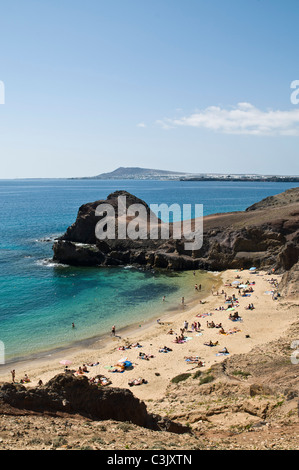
(65, 362)
(252, 269)
(235, 282)
(124, 359)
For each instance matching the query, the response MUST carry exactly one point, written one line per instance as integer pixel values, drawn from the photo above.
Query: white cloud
(241, 119)
(141, 124)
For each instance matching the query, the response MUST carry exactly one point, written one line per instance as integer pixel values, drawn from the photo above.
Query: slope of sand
(263, 324)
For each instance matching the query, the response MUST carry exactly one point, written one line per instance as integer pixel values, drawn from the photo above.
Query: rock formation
(265, 235)
(69, 394)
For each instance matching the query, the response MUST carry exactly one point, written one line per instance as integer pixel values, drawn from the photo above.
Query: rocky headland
(266, 235)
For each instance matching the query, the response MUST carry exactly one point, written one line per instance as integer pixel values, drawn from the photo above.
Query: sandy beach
(266, 322)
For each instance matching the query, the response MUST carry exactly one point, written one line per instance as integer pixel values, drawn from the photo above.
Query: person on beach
(223, 351)
(13, 375)
(25, 379)
(113, 330)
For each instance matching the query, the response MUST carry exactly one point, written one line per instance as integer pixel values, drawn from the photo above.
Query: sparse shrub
(197, 374)
(241, 373)
(180, 378)
(207, 379)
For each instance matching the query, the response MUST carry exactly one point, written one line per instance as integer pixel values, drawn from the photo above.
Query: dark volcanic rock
(75, 395)
(265, 235)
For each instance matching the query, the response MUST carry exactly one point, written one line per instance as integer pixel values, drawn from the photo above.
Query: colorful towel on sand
(203, 315)
(192, 359)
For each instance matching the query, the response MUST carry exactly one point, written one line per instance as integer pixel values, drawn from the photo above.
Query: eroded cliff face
(289, 285)
(265, 235)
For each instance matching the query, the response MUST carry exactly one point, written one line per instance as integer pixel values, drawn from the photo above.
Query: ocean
(40, 300)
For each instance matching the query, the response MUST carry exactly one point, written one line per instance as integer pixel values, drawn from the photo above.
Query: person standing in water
(113, 330)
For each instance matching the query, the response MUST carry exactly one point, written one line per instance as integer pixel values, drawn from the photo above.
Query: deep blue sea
(39, 300)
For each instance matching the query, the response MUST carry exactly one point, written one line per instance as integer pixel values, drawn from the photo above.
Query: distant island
(136, 173)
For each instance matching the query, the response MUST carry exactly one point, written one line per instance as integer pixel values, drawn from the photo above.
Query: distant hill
(138, 173)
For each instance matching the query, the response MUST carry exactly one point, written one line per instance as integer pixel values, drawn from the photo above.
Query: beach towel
(222, 354)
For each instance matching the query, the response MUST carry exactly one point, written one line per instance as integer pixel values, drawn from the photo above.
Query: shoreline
(161, 368)
(102, 341)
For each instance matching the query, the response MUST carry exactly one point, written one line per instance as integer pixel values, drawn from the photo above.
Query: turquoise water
(39, 300)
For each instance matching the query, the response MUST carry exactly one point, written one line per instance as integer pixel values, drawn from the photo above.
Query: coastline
(259, 326)
(104, 340)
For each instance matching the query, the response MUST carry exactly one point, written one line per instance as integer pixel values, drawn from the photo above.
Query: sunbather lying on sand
(137, 382)
(100, 380)
(192, 359)
(165, 349)
(210, 343)
(129, 346)
(144, 356)
(119, 367)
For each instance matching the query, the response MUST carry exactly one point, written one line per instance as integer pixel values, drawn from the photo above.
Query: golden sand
(264, 323)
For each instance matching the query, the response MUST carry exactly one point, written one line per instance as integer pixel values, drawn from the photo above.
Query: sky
(197, 86)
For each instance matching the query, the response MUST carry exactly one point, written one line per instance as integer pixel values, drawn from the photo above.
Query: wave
(49, 263)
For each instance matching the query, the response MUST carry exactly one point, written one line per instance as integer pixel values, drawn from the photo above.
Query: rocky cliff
(265, 235)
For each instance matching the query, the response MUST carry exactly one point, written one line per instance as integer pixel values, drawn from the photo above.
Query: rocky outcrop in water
(265, 235)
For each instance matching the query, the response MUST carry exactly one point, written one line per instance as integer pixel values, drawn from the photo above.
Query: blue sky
(196, 86)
